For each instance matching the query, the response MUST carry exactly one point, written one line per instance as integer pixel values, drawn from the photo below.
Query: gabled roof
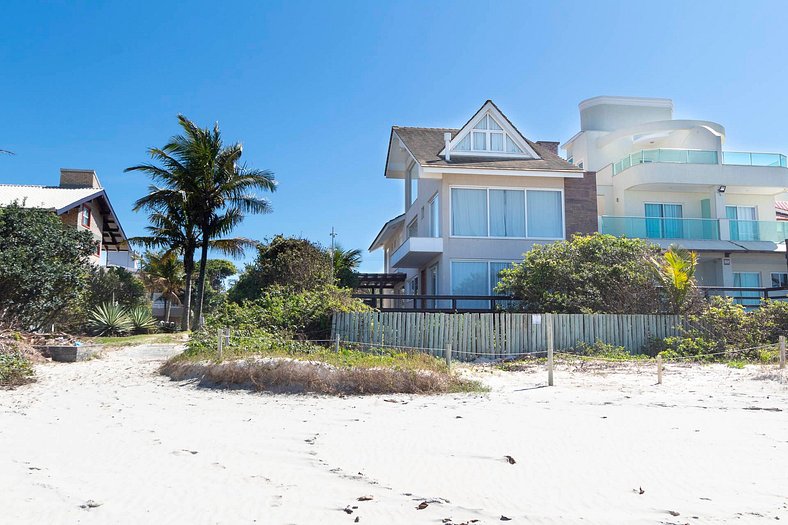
(427, 146)
(61, 200)
(386, 231)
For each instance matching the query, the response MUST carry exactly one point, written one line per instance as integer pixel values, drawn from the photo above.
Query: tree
(217, 190)
(43, 266)
(675, 271)
(346, 262)
(293, 264)
(163, 273)
(171, 228)
(113, 284)
(217, 272)
(587, 274)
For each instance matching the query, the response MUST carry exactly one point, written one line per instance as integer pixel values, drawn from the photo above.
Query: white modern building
(476, 198)
(671, 181)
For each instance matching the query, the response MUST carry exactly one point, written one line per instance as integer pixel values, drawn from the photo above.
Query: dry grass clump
(17, 356)
(288, 375)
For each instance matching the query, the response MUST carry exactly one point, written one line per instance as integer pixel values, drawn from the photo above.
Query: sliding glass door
(663, 221)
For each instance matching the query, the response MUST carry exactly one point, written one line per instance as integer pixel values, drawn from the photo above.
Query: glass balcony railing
(696, 156)
(660, 228)
(676, 156)
(773, 231)
(740, 158)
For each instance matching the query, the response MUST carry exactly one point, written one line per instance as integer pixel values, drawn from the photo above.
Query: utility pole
(333, 236)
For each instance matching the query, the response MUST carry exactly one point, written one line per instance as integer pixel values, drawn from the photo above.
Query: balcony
(771, 231)
(692, 156)
(415, 252)
(660, 228)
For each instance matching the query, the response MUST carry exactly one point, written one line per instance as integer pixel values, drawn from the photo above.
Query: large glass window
(545, 217)
(507, 213)
(469, 212)
(747, 280)
(779, 280)
(476, 278)
(535, 214)
(744, 225)
(488, 135)
(663, 221)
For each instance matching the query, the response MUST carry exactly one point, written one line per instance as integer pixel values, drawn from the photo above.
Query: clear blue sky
(312, 88)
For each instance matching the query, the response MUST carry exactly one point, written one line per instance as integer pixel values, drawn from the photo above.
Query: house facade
(672, 182)
(476, 198)
(80, 202)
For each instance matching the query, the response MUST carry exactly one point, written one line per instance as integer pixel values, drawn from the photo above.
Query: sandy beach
(111, 441)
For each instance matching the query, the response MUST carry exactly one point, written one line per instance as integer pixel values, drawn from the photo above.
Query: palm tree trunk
(167, 304)
(188, 267)
(201, 283)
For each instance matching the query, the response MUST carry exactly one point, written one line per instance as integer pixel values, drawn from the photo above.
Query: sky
(311, 89)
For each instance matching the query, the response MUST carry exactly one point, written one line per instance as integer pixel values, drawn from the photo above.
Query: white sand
(154, 451)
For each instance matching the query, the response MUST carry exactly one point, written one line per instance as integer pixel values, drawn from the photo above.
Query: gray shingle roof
(426, 143)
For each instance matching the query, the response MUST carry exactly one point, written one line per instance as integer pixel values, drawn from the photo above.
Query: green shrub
(141, 320)
(736, 363)
(109, 319)
(697, 347)
(15, 369)
(604, 350)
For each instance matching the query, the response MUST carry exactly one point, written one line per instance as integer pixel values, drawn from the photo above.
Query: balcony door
(747, 280)
(663, 221)
(744, 222)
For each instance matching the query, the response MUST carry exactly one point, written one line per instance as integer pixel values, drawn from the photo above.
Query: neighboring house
(670, 181)
(781, 208)
(81, 202)
(476, 199)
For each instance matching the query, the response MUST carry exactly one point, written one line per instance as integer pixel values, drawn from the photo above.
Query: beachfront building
(80, 202)
(476, 198)
(672, 182)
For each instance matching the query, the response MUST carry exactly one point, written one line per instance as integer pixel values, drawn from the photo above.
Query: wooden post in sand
(220, 340)
(782, 351)
(549, 326)
(336, 344)
(659, 369)
(448, 355)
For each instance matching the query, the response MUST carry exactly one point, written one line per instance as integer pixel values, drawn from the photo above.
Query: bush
(114, 284)
(604, 350)
(588, 274)
(15, 369)
(110, 319)
(43, 266)
(293, 264)
(696, 347)
(303, 315)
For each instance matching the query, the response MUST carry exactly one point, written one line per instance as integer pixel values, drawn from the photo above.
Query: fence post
(782, 351)
(336, 344)
(549, 323)
(219, 341)
(659, 369)
(448, 355)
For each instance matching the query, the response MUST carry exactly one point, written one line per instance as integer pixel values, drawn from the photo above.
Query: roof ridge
(41, 186)
(422, 127)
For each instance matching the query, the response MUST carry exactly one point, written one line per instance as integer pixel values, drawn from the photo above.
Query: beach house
(671, 181)
(476, 198)
(80, 202)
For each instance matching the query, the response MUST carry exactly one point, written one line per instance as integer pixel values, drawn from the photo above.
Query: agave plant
(110, 319)
(141, 319)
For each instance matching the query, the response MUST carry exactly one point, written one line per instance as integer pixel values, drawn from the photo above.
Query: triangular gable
(489, 134)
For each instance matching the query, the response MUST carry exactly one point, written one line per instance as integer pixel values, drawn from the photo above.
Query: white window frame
(527, 152)
(488, 261)
(520, 188)
(434, 201)
(777, 273)
(738, 206)
(413, 222)
(410, 182)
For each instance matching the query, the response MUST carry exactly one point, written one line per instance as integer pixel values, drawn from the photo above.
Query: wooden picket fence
(499, 335)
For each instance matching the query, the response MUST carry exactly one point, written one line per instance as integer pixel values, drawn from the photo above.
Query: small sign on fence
(536, 318)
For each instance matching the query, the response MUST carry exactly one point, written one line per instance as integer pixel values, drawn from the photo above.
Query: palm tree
(217, 191)
(346, 262)
(676, 273)
(163, 273)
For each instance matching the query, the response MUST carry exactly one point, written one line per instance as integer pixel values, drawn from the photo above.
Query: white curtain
(469, 212)
(747, 280)
(507, 213)
(495, 270)
(544, 214)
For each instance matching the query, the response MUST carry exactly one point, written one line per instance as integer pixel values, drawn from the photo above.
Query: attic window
(488, 135)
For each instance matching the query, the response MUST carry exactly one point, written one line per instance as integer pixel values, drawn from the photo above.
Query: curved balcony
(697, 156)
